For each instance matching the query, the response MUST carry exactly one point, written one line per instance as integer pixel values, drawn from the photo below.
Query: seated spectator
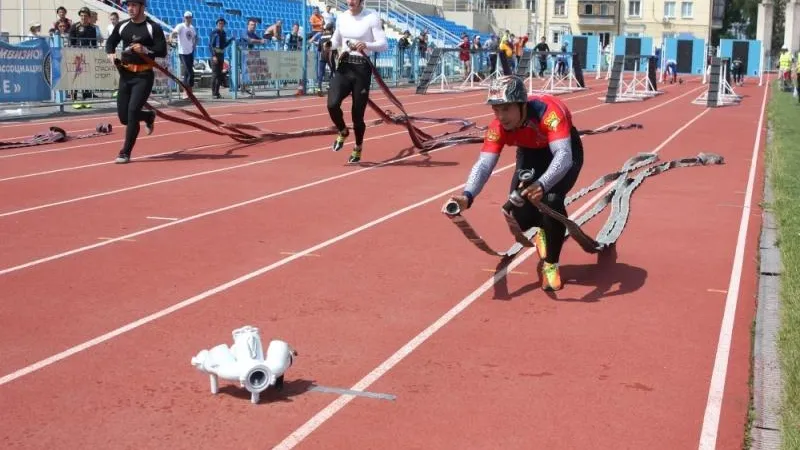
(274, 31)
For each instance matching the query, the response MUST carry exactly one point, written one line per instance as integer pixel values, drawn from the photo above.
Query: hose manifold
(246, 363)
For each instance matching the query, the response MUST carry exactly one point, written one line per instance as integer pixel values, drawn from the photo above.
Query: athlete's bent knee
(334, 103)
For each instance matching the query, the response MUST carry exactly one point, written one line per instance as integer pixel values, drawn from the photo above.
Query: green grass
(783, 162)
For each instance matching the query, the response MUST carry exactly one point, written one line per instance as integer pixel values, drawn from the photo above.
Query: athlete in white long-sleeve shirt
(359, 33)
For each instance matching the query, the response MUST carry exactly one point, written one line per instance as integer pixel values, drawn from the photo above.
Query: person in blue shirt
(218, 41)
(253, 38)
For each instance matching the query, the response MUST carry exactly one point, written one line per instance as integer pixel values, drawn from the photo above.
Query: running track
(114, 277)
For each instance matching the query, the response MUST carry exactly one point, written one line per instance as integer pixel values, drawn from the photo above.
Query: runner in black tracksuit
(138, 33)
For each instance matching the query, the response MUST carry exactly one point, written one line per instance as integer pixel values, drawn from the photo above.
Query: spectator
(83, 34)
(93, 21)
(186, 35)
(491, 46)
(295, 41)
(403, 47)
(562, 65)
(35, 30)
(62, 29)
(274, 31)
(480, 58)
(252, 36)
(218, 41)
(464, 56)
(542, 47)
(327, 55)
(329, 17)
(317, 24)
(519, 50)
(61, 12)
(422, 43)
(114, 19)
(505, 52)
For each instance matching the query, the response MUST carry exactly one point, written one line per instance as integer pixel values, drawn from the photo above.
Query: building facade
(658, 19)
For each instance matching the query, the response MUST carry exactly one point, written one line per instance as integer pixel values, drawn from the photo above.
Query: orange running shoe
(551, 278)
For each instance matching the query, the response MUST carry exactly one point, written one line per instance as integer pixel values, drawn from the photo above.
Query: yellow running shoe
(541, 243)
(551, 278)
(355, 156)
(339, 142)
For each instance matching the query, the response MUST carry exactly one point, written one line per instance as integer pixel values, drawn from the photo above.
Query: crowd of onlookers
(500, 53)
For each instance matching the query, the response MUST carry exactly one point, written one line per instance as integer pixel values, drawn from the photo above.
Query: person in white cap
(187, 42)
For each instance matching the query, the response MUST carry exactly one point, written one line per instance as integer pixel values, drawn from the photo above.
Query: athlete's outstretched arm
(480, 173)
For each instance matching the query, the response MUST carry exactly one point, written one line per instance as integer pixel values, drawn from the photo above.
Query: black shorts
(539, 160)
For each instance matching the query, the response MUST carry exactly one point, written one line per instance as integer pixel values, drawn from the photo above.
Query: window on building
(556, 37)
(604, 9)
(587, 9)
(669, 10)
(560, 8)
(687, 9)
(635, 8)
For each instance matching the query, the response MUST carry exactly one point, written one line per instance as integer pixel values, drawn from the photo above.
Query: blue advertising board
(25, 71)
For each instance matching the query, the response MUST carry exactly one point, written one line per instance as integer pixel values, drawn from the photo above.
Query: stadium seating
(266, 12)
(235, 12)
(455, 28)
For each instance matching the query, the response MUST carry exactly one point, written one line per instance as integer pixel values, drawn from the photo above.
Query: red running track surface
(106, 297)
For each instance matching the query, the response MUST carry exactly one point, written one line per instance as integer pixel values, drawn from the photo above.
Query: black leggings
(528, 215)
(355, 79)
(134, 89)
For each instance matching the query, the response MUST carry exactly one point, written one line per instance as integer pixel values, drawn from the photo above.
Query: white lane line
(716, 390)
(162, 218)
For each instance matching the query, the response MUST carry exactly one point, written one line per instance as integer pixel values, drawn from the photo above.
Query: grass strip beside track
(783, 162)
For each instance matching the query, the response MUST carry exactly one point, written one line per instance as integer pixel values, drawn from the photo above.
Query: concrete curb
(767, 375)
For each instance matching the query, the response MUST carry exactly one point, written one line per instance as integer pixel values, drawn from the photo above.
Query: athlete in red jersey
(541, 128)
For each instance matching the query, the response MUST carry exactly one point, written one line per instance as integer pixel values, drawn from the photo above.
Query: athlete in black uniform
(138, 34)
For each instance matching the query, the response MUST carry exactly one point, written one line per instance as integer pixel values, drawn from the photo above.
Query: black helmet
(507, 89)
